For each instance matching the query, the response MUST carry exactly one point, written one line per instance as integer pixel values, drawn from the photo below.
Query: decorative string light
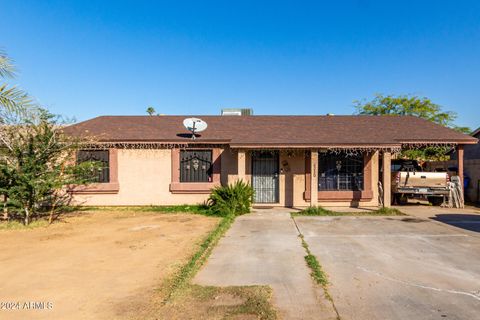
(290, 152)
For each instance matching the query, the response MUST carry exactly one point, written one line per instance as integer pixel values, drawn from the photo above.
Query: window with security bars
(98, 156)
(196, 166)
(340, 171)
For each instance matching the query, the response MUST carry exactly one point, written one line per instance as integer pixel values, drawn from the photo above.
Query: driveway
(263, 248)
(467, 219)
(399, 267)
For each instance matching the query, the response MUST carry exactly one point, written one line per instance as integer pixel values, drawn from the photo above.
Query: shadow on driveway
(465, 221)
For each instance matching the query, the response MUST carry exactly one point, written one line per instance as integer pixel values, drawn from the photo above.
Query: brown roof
(261, 131)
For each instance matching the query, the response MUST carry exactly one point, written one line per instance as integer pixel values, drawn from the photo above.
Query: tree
(415, 106)
(151, 111)
(38, 166)
(12, 98)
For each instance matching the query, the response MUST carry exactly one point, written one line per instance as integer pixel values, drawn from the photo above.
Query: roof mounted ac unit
(237, 112)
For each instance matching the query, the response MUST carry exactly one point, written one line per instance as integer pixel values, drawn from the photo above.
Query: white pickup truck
(410, 181)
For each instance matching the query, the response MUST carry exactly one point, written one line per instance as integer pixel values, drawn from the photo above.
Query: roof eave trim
(313, 146)
(440, 142)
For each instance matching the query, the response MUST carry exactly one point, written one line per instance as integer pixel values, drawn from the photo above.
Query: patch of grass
(206, 302)
(182, 278)
(315, 211)
(384, 211)
(320, 211)
(195, 209)
(42, 219)
(17, 225)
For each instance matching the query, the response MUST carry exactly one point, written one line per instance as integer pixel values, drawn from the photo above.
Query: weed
(317, 272)
(320, 211)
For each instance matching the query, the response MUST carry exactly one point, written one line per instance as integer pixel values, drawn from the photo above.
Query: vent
(237, 112)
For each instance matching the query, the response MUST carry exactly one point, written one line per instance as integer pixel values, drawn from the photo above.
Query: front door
(265, 176)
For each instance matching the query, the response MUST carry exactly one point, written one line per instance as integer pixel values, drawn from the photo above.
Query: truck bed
(420, 183)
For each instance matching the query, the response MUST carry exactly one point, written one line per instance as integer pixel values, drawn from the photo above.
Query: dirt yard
(100, 265)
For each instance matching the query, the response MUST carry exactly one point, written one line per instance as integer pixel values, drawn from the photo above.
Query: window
(101, 156)
(340, 171)
(196, 166)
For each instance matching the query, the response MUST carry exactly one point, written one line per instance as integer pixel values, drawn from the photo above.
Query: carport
(387, 174)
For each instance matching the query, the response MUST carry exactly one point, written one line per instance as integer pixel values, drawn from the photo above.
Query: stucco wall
(294, 181)
(229, 166)
(144, 177)
(472, 170)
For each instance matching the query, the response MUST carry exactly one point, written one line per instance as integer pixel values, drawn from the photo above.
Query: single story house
(290, 161)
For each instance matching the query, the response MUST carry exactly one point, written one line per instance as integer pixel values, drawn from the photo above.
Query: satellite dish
(194, 125)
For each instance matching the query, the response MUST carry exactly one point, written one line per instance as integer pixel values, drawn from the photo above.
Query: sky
(83, 59)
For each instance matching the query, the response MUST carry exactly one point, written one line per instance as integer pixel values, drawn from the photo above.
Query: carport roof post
(314, 177)
(460, 163)
(387, 176)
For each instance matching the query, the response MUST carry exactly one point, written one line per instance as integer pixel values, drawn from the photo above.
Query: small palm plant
(234, 199)
(12, 98)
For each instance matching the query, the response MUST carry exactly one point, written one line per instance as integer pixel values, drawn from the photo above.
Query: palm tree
(151, 111)
(12, 98)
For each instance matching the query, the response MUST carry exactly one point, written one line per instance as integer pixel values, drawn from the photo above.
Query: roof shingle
(259, 131)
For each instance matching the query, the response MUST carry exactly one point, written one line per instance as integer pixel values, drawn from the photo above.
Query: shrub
(234, 199)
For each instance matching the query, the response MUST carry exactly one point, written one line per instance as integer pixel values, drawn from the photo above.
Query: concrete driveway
(466, 219)
(263, 248)
(399, 267)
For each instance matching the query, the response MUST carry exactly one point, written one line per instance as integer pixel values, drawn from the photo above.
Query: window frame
(112, 187)
(341, 174)
(188, 167)
(353, 197)
(177, 187)
(104, 175)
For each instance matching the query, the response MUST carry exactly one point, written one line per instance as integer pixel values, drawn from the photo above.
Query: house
(290, 161)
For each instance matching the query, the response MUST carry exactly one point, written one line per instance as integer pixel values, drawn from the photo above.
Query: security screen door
(265, 176)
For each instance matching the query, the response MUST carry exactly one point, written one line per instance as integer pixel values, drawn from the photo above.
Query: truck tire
(401, 199)
(435, 201)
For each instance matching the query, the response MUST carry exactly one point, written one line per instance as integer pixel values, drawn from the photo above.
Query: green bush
(234, 199)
